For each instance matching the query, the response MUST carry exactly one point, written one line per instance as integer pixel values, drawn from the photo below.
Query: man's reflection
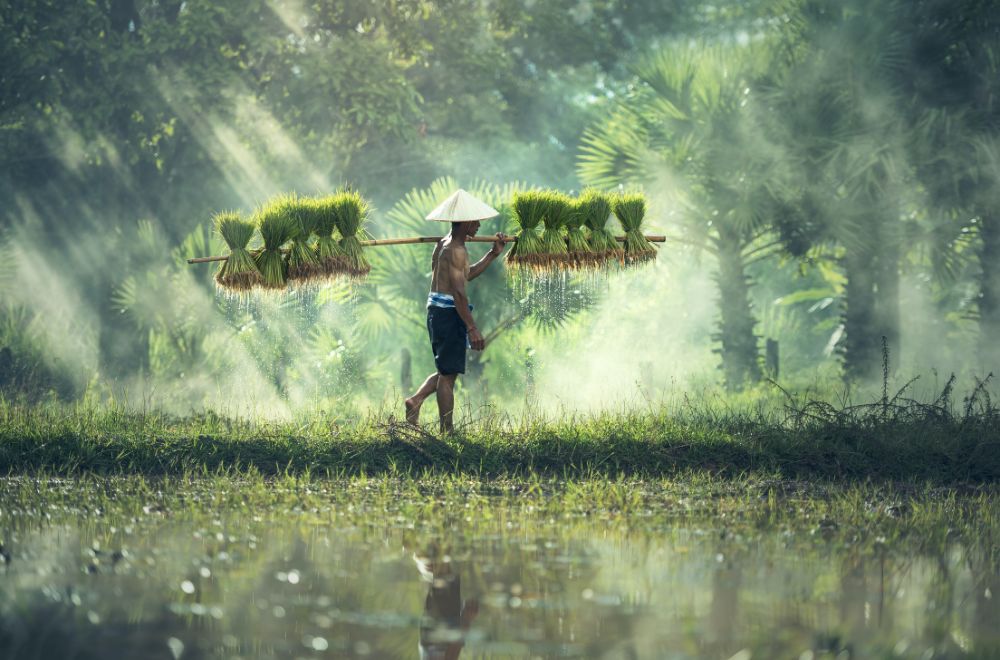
(446, 618)
(727, 578)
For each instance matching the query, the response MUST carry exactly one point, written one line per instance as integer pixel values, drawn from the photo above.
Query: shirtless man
(449, 319)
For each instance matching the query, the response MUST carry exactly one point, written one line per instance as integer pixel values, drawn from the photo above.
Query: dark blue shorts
(448, 339)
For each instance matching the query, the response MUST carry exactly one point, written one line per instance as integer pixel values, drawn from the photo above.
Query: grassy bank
(887, 439)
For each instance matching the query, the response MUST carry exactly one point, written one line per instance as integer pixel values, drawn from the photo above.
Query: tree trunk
(989, 291)
(872, 304)
(740, 355)
(123, 16)
(887, 299)
(405, 371)
(862, 342)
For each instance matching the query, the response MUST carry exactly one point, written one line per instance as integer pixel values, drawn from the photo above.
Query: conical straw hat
(462, 207)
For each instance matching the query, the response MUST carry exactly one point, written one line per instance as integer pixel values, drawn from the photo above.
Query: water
(151, 572)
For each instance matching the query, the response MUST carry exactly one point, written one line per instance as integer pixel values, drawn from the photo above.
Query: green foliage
(166, 306)
(859, 134)
(27, 371)
(690, 121)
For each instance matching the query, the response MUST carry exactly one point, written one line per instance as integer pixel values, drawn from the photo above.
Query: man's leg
(414, 402)
(446, 400)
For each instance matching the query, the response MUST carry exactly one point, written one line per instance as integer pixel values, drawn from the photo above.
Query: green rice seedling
(330, 257)
(556, 211)
(526, 252)
(277, 222)
(351, 211)
(302, 263)
(237, 274)
(630, 209)
(580, 253)
(596, 208)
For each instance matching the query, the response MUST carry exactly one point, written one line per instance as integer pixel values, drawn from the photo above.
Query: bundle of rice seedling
(630, 209)
(330, 257)
(302, 262)
(277, 223)
(555, 212)
(352, 211)
(238, 273)
(596, 209)
(579, 252)
(528, 207)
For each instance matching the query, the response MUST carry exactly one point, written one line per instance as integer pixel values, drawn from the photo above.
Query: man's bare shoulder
(455, 254)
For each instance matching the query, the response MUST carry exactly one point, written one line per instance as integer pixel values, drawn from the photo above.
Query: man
(449, 314)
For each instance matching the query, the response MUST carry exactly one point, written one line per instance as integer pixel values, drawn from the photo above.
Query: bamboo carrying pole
(416, 240)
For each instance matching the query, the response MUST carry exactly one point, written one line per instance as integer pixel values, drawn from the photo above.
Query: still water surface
(155, 578)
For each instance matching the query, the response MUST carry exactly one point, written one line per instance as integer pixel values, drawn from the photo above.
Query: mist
(814, 189)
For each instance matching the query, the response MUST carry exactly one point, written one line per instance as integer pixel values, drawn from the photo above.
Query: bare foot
(412, 410)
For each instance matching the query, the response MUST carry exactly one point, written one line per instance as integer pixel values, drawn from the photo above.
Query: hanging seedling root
(596, 207)
(580, 256)
(276, 221)
(330, 258)
(351, 212)
(630, 209)
(303, 267)
(555, 213)
(526, 254)
(238, 274)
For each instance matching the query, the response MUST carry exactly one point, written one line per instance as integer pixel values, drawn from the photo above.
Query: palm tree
(951, 79)
(686, 133)
(162, 299)
(834, 116)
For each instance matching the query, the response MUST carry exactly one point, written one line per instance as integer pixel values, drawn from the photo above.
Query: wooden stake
(416, 240)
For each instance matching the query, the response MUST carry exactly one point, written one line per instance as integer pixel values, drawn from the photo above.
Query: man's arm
(459, 270)
(488, 258)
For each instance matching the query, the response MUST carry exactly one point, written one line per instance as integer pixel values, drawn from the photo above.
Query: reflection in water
(446, 616)
(290, 584)
(726, 580)
(985, 566)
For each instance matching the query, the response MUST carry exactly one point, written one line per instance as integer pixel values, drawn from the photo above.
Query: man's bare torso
(450, 261)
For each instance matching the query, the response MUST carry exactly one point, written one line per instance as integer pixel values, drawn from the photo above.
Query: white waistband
(445, 300)
(435, 299)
